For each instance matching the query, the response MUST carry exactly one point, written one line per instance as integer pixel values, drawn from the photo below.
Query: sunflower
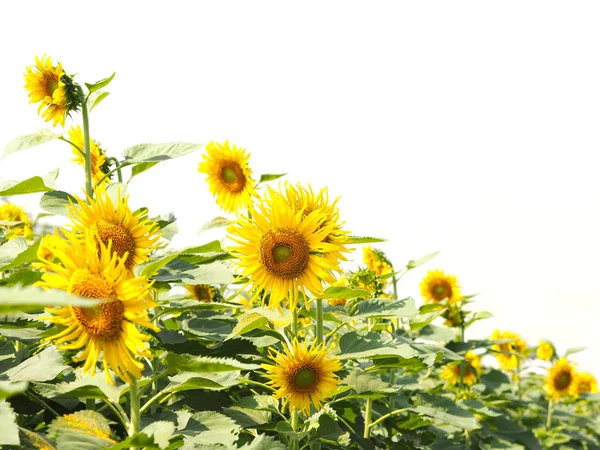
(13, 213)
(472, 371)
(584, 383)
(560, 380)
(47, 249)
(517, 345)
(545, 351)
(51, 86)
(228, 175)
(131, 234)
(376, 261)
(91, 269)
(202, 292)
(98, 157)
(437, 286)
(303, 375)
(282, 250)
(453, 315)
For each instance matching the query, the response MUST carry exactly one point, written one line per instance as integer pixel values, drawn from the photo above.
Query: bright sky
(468, 127)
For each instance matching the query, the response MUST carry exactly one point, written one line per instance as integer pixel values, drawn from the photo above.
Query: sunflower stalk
(368, 406)
(319, 324)
(294, 425)
(549, 416)
(89, 189)
(134, 400)
(90, 404)
(462, 340)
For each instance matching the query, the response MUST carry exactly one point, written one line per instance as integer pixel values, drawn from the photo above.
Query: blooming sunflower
(202, 292)
(303, 375)
(13, 213)
(585, 383)
(545, 351)
(282, 251)
(98, 157)
(51, 86)
(437, 286)
(505, 352)
(560, 380)
(451, 372)
(228, 175)
(376, 261)
(131, 234)
(47, 249)
(90, 269)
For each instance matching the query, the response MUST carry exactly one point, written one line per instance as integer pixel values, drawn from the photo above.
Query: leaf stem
(116, 169)
(120, 413)
(368, 418)
(86, 145)
(386, 416)
(549, 417)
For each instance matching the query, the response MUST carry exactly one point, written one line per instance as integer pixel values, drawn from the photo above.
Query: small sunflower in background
(98, 157)
(14, 213)
(438, 286)
(376, 261)
(472, 370)
(228, 175)
(282, 251)
(303, 375)
(91, 269)
(48, 84)
(505, 352)
(48, 247)
(560, 381)
(585, 383)
(131, 234)
(545, 351)
(204, 293)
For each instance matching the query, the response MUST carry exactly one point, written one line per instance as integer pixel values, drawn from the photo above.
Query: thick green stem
(295, 322)
(319, 320)
(294, 425)
(134, 400)
(89, 189)
(387, 416)
(549, 417)
(462, 340)
(116, 169)
(367, 419)
(90, 404)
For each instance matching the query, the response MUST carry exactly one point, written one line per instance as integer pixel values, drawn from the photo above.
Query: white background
(465, 127)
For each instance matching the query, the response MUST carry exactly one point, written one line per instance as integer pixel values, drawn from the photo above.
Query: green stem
(319, 320)
(295, 322)
(549, 417)
(134, 400)
(332, 334)
(294, 425)
(42, 403)
(387, 416)
(116, 169)
(89, 189)
(90, 404)
(462, 340)
(367, 419)
(119, 413)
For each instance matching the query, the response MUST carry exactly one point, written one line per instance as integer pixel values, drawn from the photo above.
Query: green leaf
(10, 389)
(270, 177)
(252, 411)
(381, 307)
(29, 140)
(95, 98)
(479, 315)
(263, 442)
(9, 431)
(204, 364)
(247, 323)
(367, 385)
(213, 273)
(417, 262)
(445, 411)
(423, 320)
(57, 202)
(363, 240)
(159, 152)
(10, 250)
(82, 430)
(187, 381)
(27, 299)
(217, 222)
(32, 185)
(100, 84)
(211, 247)
(154, 436)
(26, 256)
(84, 386)
(149, 269)
(44, 366)
(31, 441)
(208, 427)
(572, 351)
(142, 167)
(344, 293)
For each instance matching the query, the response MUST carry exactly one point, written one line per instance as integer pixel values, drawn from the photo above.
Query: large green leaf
(33, 441)
(31, 185)
(84, 386)
(27, 299)
(26, 256)
(154, 436)
(445, 411)
(57, 202)
(10, 250)
(263, 442)
(95, 98)
(344, 293)
(100, 84)
(9, 389)
(159, 152)
(381, 307)
(82, 430)
(213, 273)
(367, 385)
(187, 381)
(253, 411)
(44, 366)
(142, 167)
(29, 140)
(9, 431)
(208, 428)
(204, 364)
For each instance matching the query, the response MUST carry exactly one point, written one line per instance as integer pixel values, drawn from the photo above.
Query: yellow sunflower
(97, 154)
(281, 250)
(92, 270)
(451, 372)
(437, 286)
(131, 234)
(47, 249)
(560, 380)
(202, 292)
(228, 175)
(303, 375)
(376, 261)
(51, 86)
(545, 351)
(585, 383)
(516, 345)
(13, 213)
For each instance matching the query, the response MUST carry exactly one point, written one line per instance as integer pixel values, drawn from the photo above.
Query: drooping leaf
(339, 292)
(263, 442)
(445, 411)
(57, 202)
(381, 307)
(159, 152)
(10, 250)
(142, 167)
(417, 262)
(217, 222)
(95, 98)
(367, 385)
(29, 140)
(26, 256)
(203, 364)
(363, 240)
(44, 366)
(31, 185)
(84, 386)
(100, 84)
(186, 381)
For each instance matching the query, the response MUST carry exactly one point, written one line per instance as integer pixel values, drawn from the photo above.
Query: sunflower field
(270, 338)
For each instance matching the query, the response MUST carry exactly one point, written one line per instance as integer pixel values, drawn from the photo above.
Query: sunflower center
(87, 284)
(102, 321)
(284, 252)
(563, 380)
(122, 240)
(584, 387)
(305, 379)
(233, 177)
(441, 291)
(51, 84)
(202, 293)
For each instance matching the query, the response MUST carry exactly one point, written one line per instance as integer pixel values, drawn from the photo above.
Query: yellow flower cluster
(563, 381)
(22, 225)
